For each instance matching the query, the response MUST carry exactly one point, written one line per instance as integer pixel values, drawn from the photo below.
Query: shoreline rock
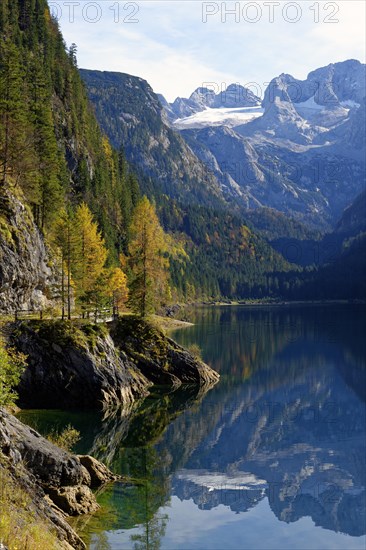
(158, 357)
(84, 366)
(58, 482)
(74, 367)
(89, 367)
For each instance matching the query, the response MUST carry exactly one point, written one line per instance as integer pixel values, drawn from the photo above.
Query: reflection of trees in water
(237, 341)
(153, 497)
(152, 492)
(153, 532)
(281, 411)
(126, 442)
(131, 506)
(143, 424)
(100, 541)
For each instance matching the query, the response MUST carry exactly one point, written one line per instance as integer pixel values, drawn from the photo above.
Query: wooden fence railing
(100, 315)
(28, 313)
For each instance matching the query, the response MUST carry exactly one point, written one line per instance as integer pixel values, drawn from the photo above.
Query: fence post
(16, 314)
(41, 314)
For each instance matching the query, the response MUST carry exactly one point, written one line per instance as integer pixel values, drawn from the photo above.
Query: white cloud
(175, 51)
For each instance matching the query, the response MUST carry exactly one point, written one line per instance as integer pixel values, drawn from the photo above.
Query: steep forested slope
(353, 220)
(341, 259)
(51, 147)
(65, 159)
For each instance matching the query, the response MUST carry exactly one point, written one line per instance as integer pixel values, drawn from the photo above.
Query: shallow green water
(273, 457)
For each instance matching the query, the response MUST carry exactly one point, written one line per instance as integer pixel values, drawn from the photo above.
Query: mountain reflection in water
(284, 429)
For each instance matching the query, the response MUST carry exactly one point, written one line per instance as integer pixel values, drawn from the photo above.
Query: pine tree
(148, 259)
(13, 123)
(49, 191)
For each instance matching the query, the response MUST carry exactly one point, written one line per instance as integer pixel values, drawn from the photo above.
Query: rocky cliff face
(74, 367)
(25, 270)
(86, 367)
(58, 483)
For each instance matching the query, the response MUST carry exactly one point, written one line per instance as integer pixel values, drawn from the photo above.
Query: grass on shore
(167, 323)
(21, 528)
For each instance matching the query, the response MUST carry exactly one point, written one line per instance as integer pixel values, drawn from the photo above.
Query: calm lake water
(272, 457)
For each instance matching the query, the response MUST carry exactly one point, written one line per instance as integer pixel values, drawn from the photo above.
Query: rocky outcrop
(99, 473)
(72, 367)
(25, 272)
(58, 483)
(159, 358)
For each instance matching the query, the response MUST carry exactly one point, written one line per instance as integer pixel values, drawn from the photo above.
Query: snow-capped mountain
(305, 111)
(234, 96)
(302, 151)
(219, 117)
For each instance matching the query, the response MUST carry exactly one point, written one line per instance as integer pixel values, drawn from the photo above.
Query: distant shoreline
(288, 303)
(263, 303)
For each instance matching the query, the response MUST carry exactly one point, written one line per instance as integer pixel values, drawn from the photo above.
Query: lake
(272, 457)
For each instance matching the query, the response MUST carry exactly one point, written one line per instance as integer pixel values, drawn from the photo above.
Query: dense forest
(80, 192)
(51, 145)
(83, 194)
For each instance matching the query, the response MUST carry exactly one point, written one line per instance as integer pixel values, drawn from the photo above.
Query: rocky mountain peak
(233, 96)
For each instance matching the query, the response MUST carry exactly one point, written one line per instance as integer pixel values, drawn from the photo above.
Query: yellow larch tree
(91, 253)
(117, 288)
(148, 259)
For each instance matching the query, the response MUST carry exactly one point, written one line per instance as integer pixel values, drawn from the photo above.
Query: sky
(178, 45)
